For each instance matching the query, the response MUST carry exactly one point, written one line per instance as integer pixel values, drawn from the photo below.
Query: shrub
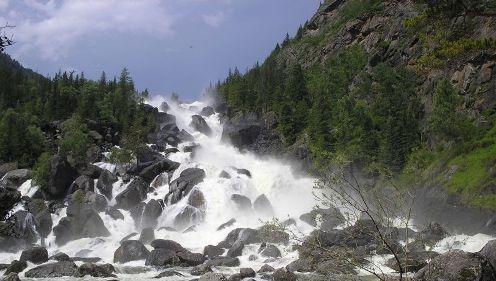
(41, 170)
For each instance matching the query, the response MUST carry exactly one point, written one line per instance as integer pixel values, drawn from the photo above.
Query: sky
(167, 45)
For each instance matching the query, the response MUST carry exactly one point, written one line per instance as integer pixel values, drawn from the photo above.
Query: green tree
(75, 141)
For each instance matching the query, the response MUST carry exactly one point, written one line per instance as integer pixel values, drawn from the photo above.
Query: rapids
(291, 195)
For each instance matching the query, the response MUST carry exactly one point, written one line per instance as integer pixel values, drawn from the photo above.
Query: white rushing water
(290, 196)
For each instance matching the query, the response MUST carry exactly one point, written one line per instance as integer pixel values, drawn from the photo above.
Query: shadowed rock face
(53, 270)
(199, 124)
(131, 250)
(181, 186)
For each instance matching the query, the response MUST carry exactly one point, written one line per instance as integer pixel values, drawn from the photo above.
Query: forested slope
(403, 89)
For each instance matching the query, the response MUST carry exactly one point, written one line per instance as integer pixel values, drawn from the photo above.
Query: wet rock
(82, 182)
(7, 167)
(134, 194)
(105, 183)
(210, 276)
(207, 111)
(212, 251)
(269, 251)
(151, 172)
(270, 234)
(224, 175)
(94, 270)
(412, 262)
(489, 252)
(252, 257)
(197, 199)
(242, 202)
(236, 249)
(245, 235)
(266, 268)
(181, 186)
(130, 250)
(223, 261)
(114, 213)
(61, 257)
(329, 218)
(247, 272)
(162, 257)
(199, 124)
(87, 259)
(82, 221)
(457, 265)
(226, 224)
(189, 216)
(137, 213)
(16, 267)
(147, 235)
(282, 274)
(200, 269)
(241, 136)
(432, 234)
(11, 277)
(184, 136)
(244, 172)
(263, 206)
(300, 265)
(53, 270)
(160, 180)
(60, 178)
(15, 178)
(8, 198)
(164, 106)
(151, 213)
(147, 155)
(128, 237)
(35, 255)
(168, 273)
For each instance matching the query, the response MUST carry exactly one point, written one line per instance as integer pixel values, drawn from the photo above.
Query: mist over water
(289, 195)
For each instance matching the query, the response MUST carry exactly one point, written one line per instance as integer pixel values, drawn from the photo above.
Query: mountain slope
(401, 88)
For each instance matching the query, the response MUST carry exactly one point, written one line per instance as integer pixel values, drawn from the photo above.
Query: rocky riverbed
(193, 206)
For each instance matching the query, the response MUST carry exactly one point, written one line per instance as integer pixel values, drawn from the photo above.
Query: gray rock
(489, 252)
(114, 213)
(94, 270)
(207, 111)
(266, 268)
(168, 273)
(244, 172)
(212, 251)
(16, 267)
(53, 270)
(188, 216)
(61, 176)
(35, 255)
(263, 206)
(151, 213)
(226, 224)
(130, 250)
(282, 274)
(11, 277)
(61, 257)
(247, 272)
(8, 199)
(432, 234)
(181, 186)
(196, 199)
(210, 276)
(147, 235)
(105, 183)
(270, 251)
(15, 178)
(201, 269)
(199, 124)
(134, 194)
(152, 171)
(236, 249)
(82, 182)
(223, 261)
(242, 202)
(224, 175)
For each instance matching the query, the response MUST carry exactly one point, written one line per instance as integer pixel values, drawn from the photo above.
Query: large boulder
(211, 276)
(35, 255)
(11, 277)
(241, 136)
(263, 206)
(60, 178)
(432, 234)
(282, 274)
(152, 171)
(188, 216)
(328, 218)
(134, 193)
(8, 198)
(18, 232)
(152, 211)
(246, 236)
(130, 250)
(145, 155)
(489, 252)
(82, 221)
(223, 261)
(211, 251)
(199, 124)
(457, 265)
(197, 199)
(242, 202)
(147, 235)
(269, 251)
(96, 270)
(15, 178)
(207, 111)
(53, 270)
(105, 183)
(412, 262)
(42, 217)
(16, 267)
(82, 182)
(7, 167)
(168, 252)
(181, 186)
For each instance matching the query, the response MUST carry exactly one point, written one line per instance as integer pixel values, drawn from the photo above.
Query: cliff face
(430, 46)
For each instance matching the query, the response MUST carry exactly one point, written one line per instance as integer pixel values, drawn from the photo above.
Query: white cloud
(214, 19)
(63, 23)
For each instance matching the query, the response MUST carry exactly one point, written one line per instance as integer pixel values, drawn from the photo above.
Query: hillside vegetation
(404, 89)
